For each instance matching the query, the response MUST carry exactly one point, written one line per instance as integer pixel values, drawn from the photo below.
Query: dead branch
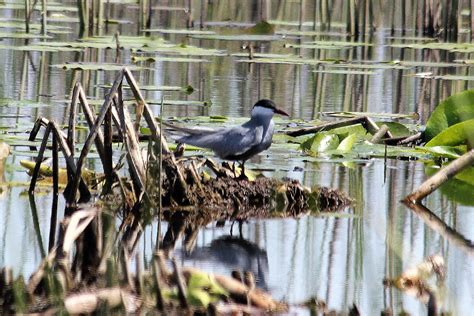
(440, 177)
(366, 121)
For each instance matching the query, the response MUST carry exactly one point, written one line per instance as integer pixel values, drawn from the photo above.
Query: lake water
(339, 259)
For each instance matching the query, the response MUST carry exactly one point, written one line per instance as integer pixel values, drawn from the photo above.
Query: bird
(237, 143)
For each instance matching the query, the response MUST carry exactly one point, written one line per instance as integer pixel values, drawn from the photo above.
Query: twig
(410, 139)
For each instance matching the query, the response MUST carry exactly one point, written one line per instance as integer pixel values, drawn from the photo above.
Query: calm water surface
(339, 259)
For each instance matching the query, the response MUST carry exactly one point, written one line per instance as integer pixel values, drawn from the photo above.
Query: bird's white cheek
(261, 111)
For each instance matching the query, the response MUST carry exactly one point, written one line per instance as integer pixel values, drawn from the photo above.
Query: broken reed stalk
(117, 47)
(202, 14)
(44, 16)
(39, 158)
(27, 16)
(160, 180)
(108, 164)
(54, 207)
(92, 136)
(440, 177)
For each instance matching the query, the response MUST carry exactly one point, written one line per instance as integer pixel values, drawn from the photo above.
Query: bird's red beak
(278, 111)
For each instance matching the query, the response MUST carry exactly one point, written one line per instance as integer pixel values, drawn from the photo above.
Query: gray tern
(237, 143)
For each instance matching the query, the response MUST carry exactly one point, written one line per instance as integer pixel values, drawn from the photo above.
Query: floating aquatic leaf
(412, 116)
(137, 59)
(296, 60)
(450, 152)
(421, 63)
(345, 72)
(188, 89)
(328, 44)
(126, 42)
(356, 129)
(39, 48)
(454, 47)
(397, 129)
(455, 109)
(347, 143)
(445, 77)
(457, 134)
(180, 31)
(308, 33)
(180, 102)
(239, 37)
(22, 103)
(334, 24)
(321, 143)
(51, 7)
(22, 35)
(96, 66)
(182, 50)
(20, 24)
(265, 55)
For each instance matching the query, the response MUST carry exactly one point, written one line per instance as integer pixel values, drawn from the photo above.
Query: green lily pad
(450, 152)
(321, 142)
(397, 129)
(457, 134)
(347, 143)
(455, 109)
(356, 129)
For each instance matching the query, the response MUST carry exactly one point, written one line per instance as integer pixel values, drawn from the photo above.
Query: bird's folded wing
(189, 130)
(240, 140)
